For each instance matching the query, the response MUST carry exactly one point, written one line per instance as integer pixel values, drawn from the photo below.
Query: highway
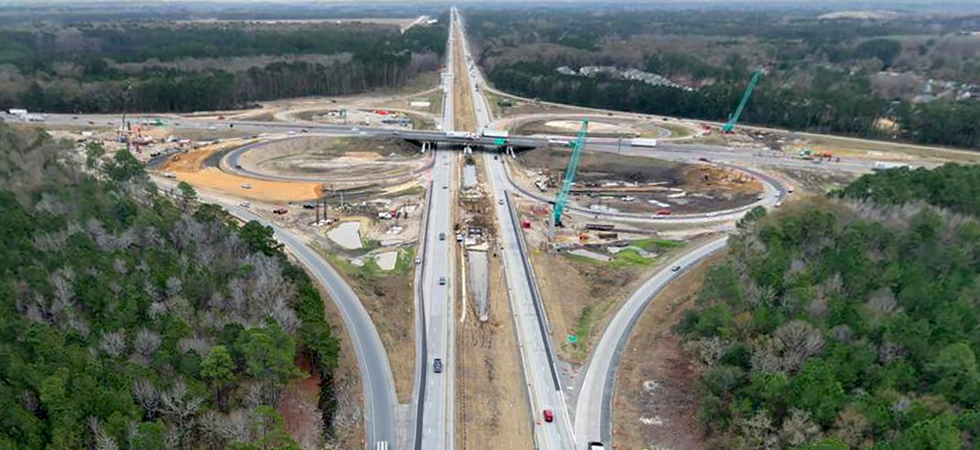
(537, 355)
(438, 418)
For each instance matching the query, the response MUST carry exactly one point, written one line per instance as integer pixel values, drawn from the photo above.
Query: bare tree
(113, 344)
(147, 396)
(800, 341)
(145, 343)
(798, 428)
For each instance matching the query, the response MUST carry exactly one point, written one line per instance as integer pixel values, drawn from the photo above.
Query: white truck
(496, 134)
(641, 142)
(884, 165)
(459, 135)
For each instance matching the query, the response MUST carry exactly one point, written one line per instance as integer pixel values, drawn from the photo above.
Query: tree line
(847, 322)
(87, 71)
(128, 320)
(818, 72)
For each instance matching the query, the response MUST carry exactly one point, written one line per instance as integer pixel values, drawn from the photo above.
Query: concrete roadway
(537, 355)
(438, 413)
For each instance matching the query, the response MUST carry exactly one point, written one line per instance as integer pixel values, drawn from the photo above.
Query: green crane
(730, 125)
(566, 185)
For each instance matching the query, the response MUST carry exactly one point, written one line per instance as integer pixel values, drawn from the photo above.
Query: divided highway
(436, 419)
(537, 356)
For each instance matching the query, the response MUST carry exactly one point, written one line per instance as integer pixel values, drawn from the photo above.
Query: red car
(549, 415)
(663, 212)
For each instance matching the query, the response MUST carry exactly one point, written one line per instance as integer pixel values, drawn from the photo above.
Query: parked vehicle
(280, 210)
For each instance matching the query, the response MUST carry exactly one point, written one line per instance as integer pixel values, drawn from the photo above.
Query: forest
(858, 78)
(132, 320)
(173, 67)
(847, 322)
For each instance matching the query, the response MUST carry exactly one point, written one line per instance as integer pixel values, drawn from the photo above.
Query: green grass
(630, 258)
(371, 270)
(676, 131)
(583, 330)
(651, 244)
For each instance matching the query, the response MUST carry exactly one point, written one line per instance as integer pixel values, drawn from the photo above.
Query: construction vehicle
(562, 198)
(730, 125)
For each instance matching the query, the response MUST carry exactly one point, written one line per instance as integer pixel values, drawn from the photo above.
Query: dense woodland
(162, 67)
(820, 75)
(130, 321)
(851, 322)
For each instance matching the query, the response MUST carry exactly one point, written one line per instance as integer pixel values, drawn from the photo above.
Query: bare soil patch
(580, 294)
(637, 184)
(492, 402)
(655, 403)
(189, 167)
(465, 119)
(388, 298)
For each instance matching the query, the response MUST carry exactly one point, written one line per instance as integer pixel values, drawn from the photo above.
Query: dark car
(437, 365)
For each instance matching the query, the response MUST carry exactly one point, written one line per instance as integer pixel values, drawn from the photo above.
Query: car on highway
(437, 365)
(760, 196)
(355, 129)
(442, 281)
(280, 210)
(91, 122)
(704, 160)
(596, 446)
(442, 236)
(445, 186)
(309, 205)
(675, 268)
(500, 201)
(177, 124)
(662, 212)
(245, 204)
(292, 132)
(246, 186)
(304, 130)
(74, 117)
(212, 128)
(549, 415)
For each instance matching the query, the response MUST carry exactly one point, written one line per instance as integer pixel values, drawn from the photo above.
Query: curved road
(376, 379)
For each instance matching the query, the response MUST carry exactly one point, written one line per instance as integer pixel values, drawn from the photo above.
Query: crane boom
(566, 185)
(730, 125)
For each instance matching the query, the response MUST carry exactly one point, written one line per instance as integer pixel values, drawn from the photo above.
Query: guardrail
(423, 353)
(535, 295)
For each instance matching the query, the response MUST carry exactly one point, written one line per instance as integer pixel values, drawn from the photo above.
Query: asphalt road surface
(438, 423)
(592, 415)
